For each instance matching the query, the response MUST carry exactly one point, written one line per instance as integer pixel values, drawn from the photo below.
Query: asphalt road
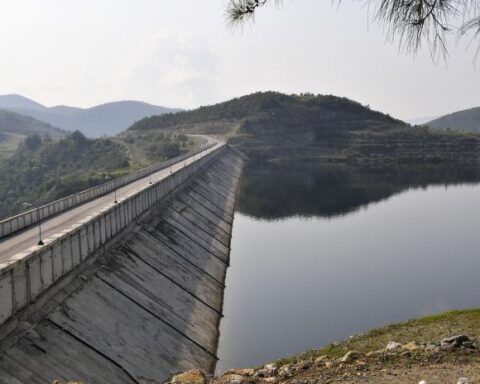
(23, 240)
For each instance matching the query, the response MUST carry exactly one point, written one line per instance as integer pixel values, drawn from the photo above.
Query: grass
(425, 329)
(8, 146)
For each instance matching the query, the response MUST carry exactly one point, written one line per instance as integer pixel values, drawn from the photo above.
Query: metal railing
(26, 219)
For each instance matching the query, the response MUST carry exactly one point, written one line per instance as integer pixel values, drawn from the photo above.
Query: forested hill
(277, 127)
(43, 170)
(466, 120)
(11, 122)
(302, 112)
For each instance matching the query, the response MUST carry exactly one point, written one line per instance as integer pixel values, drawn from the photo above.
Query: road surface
(21, 241)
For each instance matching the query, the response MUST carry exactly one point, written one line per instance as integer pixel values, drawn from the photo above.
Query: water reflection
(330, 269)
(270, 192)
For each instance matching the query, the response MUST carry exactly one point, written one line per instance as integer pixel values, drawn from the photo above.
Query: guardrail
(26, 219)
(28, 275)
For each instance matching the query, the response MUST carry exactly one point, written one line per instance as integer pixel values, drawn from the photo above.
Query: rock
(285, 371)
(412, 346)
(462, 380)
(454, 341)
(303, 365)
(392, 346)
(320, 359)
(432, 347)
(240, 371)
(270, 380)
(270, 369)
(328, 364)
(422, 382)
(259, 373)
(193, 376)
(235, 379)
(350, 356)
(375, 353)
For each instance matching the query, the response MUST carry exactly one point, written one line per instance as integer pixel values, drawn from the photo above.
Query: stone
(270, 369)
(285, 371)
(193, 376)
(240, 371)
(392, 346)
(234, 379)
(320, 359)
(454, 341)
(259, 373)
(462, 380)
(412, 346)
(432, 347)
(303, 365)
(328, 364)
(350, 356)
(422, 382)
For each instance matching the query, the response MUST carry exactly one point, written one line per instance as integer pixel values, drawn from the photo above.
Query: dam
(130, 294)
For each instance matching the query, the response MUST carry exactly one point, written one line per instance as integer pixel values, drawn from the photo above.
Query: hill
(19, 102)
(43, 170)
(14, 128)
(277, 127)
(466, 120)
(105, 119)
(15, 123)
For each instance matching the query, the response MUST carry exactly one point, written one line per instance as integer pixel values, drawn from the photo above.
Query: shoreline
(439, 348)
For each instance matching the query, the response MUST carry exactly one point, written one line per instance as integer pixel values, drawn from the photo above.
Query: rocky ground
(438, 349)
(450, 360)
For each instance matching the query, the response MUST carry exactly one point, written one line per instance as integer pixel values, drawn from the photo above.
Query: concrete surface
(147, 307)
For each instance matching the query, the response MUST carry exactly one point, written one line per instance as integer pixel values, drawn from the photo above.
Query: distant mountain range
(105, 119)
(466, 120)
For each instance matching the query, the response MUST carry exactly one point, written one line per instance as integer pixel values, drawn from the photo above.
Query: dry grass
(425, 329)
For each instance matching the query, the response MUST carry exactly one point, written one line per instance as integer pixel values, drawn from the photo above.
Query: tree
(33, 142)
(412, 22)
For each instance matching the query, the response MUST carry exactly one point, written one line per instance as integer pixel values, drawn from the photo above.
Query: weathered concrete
(144, 306)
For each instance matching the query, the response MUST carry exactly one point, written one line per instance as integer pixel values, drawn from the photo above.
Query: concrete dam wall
(146, 304)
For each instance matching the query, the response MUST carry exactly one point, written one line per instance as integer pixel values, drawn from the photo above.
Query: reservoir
(322, 254)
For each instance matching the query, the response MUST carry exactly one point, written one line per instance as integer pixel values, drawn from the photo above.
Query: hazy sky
(182, 53)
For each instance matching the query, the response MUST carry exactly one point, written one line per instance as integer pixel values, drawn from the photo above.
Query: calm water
(318, 255)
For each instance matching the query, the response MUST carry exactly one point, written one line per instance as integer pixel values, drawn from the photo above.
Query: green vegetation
(147, 148)
(9, 142)
(15, 127)
(425, 329)
(244, 112)
(43, 170)
(15, 123)
(276, 127)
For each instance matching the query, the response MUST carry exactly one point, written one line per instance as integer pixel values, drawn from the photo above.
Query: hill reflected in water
(273, 192)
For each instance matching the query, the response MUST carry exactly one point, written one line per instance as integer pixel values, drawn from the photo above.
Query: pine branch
(411, 22)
